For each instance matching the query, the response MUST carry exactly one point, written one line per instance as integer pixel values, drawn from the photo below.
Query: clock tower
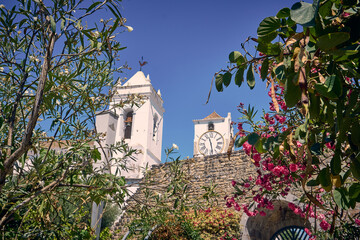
(212, 135)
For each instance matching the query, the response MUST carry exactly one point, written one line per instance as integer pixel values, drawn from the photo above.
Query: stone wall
(220, 170)
(201, 171)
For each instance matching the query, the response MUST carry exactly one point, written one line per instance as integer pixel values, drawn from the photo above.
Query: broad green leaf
(324, 177)
(331, 40)
(250, 78)
(239, 76)
(355, 133)
(259, 145)
(268, 144)
(335, 164)
(253, 138)
(241, 140)
(304, 13)
(227, 79)
(269, 48)
(269, 37)
(240, 61)
(233, 56)
(315, 149)
(314, 106)
(312, 183)
(280, 72)
(341, 198)
(219, 82)
(355, 168)
(95, 154)
(333, 84)
(323, 90)
(264, 69)
(354, 190)
(283, 13)
(325, 9)
(268, 25)
(292, 92)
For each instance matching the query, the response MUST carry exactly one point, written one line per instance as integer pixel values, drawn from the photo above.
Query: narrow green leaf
(62, 25)
(250, 78)
(314, 106)
(92, 6)
(227, 79)
(239, 76)
(52, 24)
(335, 164)
(292, 92)
(333, 84)
(324, 177)
(264, 69)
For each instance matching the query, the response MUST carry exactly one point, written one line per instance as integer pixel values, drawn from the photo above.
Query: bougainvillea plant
(310, 138)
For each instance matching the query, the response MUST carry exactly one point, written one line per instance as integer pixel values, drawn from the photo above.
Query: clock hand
(211, 146)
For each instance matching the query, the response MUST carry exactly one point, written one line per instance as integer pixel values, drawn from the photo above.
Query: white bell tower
(140, 126)
(212, 135)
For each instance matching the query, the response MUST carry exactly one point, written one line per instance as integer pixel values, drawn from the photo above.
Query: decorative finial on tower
(159, 93)
(142, 62)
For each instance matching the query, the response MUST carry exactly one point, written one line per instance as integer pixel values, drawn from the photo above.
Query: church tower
(212, 135)
(140, 126)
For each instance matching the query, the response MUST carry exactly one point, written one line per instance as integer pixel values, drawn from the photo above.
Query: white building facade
(139, 125)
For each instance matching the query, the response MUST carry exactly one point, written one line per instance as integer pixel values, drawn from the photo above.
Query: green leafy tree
(58, 60)
(309, 57)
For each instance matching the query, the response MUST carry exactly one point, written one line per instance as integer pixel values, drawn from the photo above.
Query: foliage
(309, 58)
(215, 223)
(110, 214)
(57, 65)
(166, 208)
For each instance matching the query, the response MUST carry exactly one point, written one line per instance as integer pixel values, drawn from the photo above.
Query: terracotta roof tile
(214, 115)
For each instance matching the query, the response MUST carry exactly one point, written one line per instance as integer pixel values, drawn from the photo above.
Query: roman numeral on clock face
(210, 143)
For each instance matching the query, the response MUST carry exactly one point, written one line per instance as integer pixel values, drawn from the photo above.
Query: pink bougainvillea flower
(233, 183)
(325, 225)
(293, 167)
(357, 221)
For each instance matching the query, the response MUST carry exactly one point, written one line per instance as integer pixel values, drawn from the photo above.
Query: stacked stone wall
(218, 169)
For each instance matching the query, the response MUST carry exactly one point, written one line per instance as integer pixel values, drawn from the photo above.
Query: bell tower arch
(139, 125)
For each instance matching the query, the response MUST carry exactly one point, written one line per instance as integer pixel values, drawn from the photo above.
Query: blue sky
(185, 43)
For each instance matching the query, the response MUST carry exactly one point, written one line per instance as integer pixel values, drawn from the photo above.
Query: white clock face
(211, 143)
